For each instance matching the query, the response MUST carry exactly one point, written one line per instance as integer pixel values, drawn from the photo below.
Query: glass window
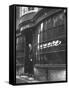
(56, 58)
(30, 8)
(61, 18)
(44, 36)
(47, 31)
(55, 21)
(45, 25)
(41, 37)
(49, 23)
(58, 19)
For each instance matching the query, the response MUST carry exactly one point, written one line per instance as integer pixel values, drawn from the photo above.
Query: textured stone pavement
(25, 79)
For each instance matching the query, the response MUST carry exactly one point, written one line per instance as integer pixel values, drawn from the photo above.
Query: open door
(29, 69)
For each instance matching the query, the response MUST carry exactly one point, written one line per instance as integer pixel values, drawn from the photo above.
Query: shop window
(45, 25)
(44, 36)
(41, 37)
(49, 32)
(56, 58)
(38, 35)
(58, 20)
(49, 23)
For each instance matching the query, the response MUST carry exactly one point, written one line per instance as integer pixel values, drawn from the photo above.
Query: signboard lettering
(50, 44)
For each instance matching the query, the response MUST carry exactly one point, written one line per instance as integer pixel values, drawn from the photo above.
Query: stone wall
(43, 74)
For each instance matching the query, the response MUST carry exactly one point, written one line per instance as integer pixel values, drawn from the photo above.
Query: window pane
(58, 19)
(49, 23)
(45, 25)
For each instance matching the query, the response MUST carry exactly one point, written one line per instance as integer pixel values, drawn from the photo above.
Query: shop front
(45, 46)
(49, 44)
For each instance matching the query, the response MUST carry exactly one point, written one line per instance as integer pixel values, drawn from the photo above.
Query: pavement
(25, 79)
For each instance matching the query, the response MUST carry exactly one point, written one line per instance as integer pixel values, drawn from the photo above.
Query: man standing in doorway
(31, 67)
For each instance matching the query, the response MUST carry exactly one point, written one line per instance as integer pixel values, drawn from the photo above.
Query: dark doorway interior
(29, 53)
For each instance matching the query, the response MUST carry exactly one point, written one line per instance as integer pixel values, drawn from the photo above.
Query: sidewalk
(25, 79)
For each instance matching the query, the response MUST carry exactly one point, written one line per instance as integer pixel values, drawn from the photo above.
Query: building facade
(45, 30)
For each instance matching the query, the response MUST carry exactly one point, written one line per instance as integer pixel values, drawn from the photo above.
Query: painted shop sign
(50, 44)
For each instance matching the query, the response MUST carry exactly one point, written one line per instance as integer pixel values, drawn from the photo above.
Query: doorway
(29, 69)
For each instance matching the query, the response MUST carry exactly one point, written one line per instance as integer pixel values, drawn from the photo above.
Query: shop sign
(50, 44)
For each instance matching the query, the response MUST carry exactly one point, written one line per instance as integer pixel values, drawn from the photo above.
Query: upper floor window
(30, 8)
